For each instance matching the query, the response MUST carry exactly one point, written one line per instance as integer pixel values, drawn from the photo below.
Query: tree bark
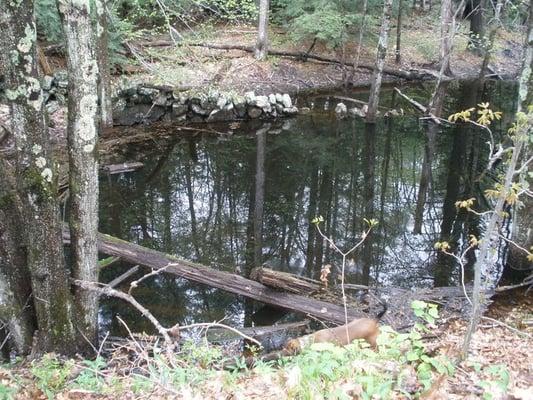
(16, 308)
(399, 33)
(380, 62)
(523, 226)
(82, 134)
(35, 184)
(261, 48)
(102, 57)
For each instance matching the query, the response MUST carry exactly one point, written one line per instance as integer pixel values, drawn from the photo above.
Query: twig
(508, 327)
(155, 272)
(219, 325)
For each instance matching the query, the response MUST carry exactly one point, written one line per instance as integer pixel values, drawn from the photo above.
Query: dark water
(234, 201)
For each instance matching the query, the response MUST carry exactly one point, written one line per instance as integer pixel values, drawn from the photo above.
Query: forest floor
(238, 71)
(499, 366)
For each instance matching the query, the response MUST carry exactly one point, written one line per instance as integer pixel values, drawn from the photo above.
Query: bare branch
(108, 291)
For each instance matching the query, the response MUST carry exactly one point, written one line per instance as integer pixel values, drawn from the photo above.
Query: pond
(246, 196)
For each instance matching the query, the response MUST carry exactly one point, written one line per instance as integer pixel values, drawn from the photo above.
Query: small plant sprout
(371, 223)
(473, 243)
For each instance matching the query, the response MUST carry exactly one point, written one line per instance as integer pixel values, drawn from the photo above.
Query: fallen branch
(418, 106)
(503, 324)
(118, 280)
(110, 292)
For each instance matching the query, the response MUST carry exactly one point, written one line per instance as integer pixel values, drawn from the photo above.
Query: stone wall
(146, 103)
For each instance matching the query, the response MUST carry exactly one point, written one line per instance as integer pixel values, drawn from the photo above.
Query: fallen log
(400, 73)
(285, 281)
(233, 283)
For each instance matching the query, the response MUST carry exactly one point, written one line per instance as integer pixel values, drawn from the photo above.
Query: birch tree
(380, 62)
(82, 135)
(261, 48)
(32, 184)
(520, 139)
(447, 31)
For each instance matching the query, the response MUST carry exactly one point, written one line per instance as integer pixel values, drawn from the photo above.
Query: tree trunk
(102, 57)
(491, 236)
(259, 195)
(476, 11)
(261, 48)
(447, 28)
(82, 135)
(16, 309)
(380, 62)
(493, 29)
(523, 219)
(35, 176)
(399, 33)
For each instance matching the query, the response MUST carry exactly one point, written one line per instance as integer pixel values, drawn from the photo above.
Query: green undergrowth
(400, 367)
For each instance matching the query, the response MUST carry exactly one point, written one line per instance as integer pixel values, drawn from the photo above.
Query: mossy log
(233, 283)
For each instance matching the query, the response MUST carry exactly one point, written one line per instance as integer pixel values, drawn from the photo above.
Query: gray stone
(286, 101)
(222, 101)
(61, 79)
(179, 109)
(148, 92)
(341, 109)
(249, 97)
(254, 112)
(197, 109)
(195, 100)
(279, 108)
(290, 110)
(161, 99)
(240, 109)
(263, 103)
(356, 112)
(272, 98)
(279, 98)
(221, 115)
(47, 82)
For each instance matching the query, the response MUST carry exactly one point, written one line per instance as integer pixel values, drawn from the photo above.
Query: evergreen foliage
(329, 21)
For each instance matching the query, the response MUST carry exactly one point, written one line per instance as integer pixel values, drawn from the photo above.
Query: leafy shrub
(327, 21)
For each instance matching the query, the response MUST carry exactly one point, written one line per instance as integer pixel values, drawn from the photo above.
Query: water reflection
(240, 200)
